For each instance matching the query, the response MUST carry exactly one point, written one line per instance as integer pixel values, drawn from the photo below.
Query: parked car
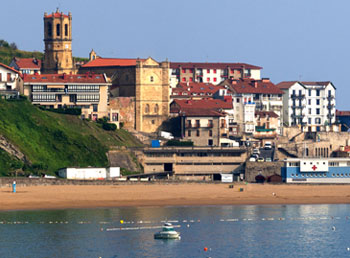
(256, 151)
(268, 160)
(260, 159)
(268, 146)
(253, 159)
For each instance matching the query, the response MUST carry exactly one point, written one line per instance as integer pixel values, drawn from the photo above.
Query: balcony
(330, 106)
(298, 107)
(330, 97)
(188, 126)
(295, 96)
(297, 116)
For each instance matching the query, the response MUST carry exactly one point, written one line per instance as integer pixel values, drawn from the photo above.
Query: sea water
(206, 231)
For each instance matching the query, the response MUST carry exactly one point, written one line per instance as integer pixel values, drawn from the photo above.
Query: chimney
(255, 84)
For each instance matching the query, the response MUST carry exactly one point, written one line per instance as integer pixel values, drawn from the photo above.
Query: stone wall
(266, 169)
(126, 107)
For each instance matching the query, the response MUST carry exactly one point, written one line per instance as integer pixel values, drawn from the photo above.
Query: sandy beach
(96, 196)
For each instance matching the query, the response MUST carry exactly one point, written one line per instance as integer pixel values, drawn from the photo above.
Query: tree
(13, 46)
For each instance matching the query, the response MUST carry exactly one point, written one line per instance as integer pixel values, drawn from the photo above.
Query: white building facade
(310, 105)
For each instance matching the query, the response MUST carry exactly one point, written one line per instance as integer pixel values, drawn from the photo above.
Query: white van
(268, 146)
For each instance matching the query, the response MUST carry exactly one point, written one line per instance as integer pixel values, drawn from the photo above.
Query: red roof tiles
(201, 112)
(175, 65)
(214, 104)
(265, 114)
(64, 78)
(104, 62)
(56, 15)
(286, 84)
(29, 63)
(254, 86)
(195, 89)
(9, 68)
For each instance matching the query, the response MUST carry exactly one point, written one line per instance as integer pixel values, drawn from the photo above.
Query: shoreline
(52, 197)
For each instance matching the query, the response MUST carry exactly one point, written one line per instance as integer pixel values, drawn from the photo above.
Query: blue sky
(290, 39)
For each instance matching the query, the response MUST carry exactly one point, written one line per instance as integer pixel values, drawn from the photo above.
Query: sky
(307, 40)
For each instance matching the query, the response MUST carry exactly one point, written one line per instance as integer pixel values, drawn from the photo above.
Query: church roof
(110, 62)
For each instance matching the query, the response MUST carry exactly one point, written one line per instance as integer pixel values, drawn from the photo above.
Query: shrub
(109, 127)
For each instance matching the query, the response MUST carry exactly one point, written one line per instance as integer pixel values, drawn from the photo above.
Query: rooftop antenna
(300, 76)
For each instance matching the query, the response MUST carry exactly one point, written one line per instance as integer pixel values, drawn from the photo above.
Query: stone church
(141, 83)
(58, 44)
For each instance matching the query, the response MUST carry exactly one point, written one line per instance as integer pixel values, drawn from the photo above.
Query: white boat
(167, 232)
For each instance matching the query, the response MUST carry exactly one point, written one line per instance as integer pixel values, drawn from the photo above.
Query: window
(237, 100)
(0, 77)
(329, 93)
(58, 29)
(49, 29)
(189, 133)
(317, 102)
(309, 101)
(183, 79)
(293, 92)
(156, 109)
(208, 79)
(66, 30)
(300, 92)
(94, 107)
(8, 77)
(153, 122)
(191, 79)
(147, 108)
(317, 111)
(214, 70)
(309, 121)
(198, 133)
(317, 93)
(215, 79)
(151, 79)
(309, 111)
(309, 92)
(208, 70)
(183, 70)
(210, 142)
(210, 133)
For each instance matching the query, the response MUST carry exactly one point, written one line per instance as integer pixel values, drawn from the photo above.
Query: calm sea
(225, 231)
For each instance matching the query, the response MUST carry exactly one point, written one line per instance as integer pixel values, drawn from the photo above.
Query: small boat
(167, 232)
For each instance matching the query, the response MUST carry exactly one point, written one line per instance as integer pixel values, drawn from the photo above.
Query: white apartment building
(311, 105)
(214, 73)
(9, 81)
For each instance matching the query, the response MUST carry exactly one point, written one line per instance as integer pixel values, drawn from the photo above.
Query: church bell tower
(58, 43)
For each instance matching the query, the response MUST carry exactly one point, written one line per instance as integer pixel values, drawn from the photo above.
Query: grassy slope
(51, 141)
(6, 55)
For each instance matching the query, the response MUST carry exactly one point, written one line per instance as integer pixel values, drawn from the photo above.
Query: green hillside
(8, 51)
(51, 141)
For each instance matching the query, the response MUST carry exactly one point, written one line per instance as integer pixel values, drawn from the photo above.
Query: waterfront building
(309, 105)
(205, 122)
(316, 170)
(145, 83)
(213, 73)
(194, 161)
(26, 65)
(58, 43)
(86, 91)
(10, 81)
(266, 125)
(251, 95)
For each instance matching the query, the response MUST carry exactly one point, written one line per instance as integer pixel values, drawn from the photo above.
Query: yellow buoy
(121, 221)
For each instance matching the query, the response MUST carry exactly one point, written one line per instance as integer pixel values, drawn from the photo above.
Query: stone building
(144, 79)
(58, 43)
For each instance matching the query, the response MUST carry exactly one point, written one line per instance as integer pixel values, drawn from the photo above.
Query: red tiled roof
(200, 112)
(342, 113)
(255, 86)
(266, 113)
(203, 104)
(56, 15)
(316, 83)
(286, 84)
(193, 87)
(28, 63)
(174, 65)
(9, 68)
(64, 78)
(103, 62)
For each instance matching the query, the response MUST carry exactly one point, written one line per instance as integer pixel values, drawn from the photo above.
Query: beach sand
(98, 196)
